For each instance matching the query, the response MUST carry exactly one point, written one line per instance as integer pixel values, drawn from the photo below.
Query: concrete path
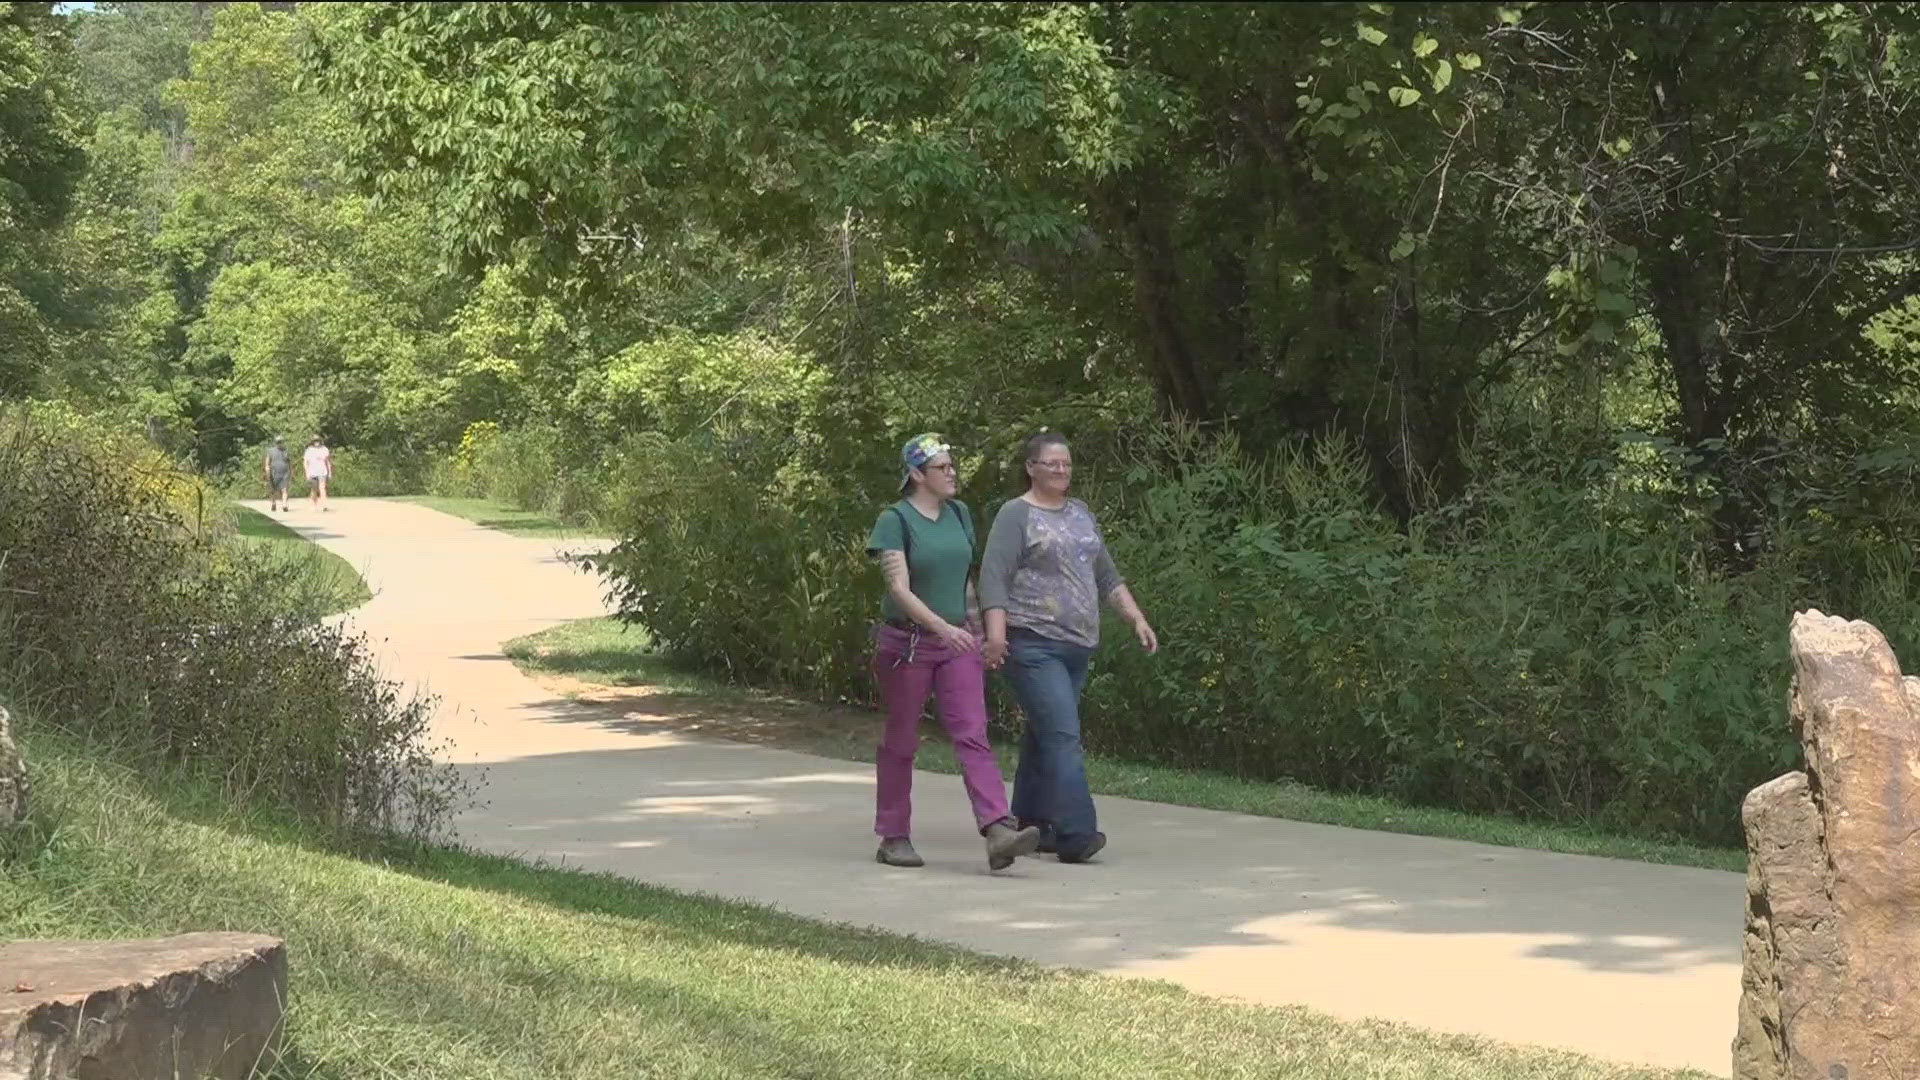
(1617, 959)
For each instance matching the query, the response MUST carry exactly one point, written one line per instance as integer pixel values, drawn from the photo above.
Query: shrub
(519, 466)
(1551, 645)
(449, 476)
(133, 624)
(370, 471)
(734, 558)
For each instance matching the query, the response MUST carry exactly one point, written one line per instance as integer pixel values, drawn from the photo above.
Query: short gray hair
(1040, 442)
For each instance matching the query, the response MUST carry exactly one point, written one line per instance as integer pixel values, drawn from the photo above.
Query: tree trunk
(1687, 280)
(1693, 345)
(1177, 379)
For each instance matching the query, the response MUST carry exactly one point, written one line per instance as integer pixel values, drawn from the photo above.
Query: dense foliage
(1471, 390)
(127, 619)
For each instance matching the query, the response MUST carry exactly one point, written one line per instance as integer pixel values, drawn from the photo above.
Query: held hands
(994, 652)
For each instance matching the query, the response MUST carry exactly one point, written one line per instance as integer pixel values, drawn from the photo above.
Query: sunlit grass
(338, 583)
(436, 962)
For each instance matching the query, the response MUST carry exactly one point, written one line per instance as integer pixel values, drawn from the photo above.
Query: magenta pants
(908, 667)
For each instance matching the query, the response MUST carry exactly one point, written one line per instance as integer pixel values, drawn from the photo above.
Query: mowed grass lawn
(436, 963)
(608, 653)
(497, 515)
(338, 583)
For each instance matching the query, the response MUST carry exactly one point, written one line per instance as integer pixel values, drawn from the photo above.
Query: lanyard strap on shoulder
(906, 537)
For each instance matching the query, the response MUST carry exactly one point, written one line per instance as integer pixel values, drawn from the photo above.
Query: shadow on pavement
(690, 811)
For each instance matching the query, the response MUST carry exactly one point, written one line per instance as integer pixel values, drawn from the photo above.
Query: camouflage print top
(1048, 570)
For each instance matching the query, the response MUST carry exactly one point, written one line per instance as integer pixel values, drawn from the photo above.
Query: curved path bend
(1621, 960)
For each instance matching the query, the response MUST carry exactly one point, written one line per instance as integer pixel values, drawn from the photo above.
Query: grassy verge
(497, 515)
(603, 662)
(337, 581)
(440, 963)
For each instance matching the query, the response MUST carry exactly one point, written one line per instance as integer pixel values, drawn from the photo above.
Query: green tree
(1742, 175)
(1282, 203)
(130, 52)
(299, 302)
(41, 158)
(41, 162)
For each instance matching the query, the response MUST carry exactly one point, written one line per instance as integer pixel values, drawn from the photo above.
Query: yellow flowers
(475, 438)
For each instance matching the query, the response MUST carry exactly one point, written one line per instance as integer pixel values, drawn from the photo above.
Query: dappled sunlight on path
(1622, 960)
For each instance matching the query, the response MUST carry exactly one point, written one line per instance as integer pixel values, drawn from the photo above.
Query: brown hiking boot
(898, 851)
(1005, 843)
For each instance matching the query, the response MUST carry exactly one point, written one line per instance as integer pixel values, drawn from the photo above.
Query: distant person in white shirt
(319, 461)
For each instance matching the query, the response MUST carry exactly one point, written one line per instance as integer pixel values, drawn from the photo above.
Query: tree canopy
(1301, 217)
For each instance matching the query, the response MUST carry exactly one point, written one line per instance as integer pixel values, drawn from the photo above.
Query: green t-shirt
(938, 559)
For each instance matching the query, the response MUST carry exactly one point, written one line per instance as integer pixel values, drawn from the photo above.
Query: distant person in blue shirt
(278, 468)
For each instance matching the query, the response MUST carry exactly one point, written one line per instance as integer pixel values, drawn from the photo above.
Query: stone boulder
(1831, 987)
(198, 1005)
(13, 774)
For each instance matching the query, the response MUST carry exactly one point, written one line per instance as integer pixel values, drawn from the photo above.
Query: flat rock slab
(197, 1005)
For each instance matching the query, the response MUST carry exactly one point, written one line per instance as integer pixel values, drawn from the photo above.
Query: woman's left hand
(1148, 639)
(994, 653)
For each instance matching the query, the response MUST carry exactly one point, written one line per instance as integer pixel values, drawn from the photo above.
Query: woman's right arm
(997, 566)
(995, 649)
(893, 566)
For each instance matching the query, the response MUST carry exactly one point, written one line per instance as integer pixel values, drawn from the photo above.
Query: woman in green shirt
(928, 642)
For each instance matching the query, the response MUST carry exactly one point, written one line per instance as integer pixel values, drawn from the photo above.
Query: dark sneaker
(1086, 853)
(898, 851)
(1005, 844)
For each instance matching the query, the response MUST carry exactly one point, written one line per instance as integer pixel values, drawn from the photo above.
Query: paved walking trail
(1621, 960)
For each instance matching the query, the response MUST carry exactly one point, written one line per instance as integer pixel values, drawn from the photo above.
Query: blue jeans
(1050, 786)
